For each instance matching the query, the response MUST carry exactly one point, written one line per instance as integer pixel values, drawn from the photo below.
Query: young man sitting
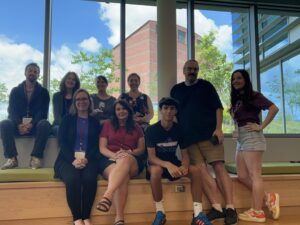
(162, 140)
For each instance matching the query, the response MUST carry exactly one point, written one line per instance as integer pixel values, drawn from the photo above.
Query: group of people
(98, 134)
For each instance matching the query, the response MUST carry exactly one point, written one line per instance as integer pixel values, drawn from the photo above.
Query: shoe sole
(251, 219)
(217, 220)
(276, 214)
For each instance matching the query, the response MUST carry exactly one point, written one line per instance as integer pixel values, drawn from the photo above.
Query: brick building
(141, 56)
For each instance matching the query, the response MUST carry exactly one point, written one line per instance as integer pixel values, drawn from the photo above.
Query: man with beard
(27, 115)
(200, 115)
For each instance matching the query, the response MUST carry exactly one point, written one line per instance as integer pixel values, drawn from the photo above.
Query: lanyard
(82, 126)
(28, 99)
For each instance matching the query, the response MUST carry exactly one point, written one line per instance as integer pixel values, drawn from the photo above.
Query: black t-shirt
(197, 110)
(164, 141)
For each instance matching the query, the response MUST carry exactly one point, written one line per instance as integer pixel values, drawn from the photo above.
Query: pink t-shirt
(121, 138)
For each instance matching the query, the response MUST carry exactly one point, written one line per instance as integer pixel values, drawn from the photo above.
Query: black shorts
(165, 173)
(104, 162)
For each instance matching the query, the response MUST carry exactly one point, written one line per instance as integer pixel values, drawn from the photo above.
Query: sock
(218, 207)
(229, 206)
(159, 206)
(197, 208)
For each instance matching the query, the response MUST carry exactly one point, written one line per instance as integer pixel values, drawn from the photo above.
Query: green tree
(54, 86)
(93, 65)
(215, 68)
(3, 92)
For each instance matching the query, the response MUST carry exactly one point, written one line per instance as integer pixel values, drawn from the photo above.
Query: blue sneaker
(160, 218)
(201, 219)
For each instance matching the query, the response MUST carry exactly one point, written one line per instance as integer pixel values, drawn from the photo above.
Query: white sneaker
(272, 203)
(10, 163)
(35, 163)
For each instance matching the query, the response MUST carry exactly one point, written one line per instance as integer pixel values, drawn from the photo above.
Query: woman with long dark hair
(62, 99)
(246, 107)
(77, 162)
(121, 145)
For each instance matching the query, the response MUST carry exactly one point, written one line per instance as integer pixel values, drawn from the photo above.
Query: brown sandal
(119, 222)
(104, 204)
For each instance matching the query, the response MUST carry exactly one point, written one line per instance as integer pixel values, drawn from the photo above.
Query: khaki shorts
(205, 152)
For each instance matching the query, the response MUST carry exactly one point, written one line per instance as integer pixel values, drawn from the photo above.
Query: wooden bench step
(45, 202)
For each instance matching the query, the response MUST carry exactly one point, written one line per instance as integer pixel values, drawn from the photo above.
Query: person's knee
(155, 172)
(6, 124)
(255, 176)
(219, 167)
(194, 171)
(44, 125)
(202, 168)
(243, 178)
(124, 164)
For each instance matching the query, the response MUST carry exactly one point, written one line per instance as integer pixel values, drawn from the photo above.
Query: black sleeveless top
(139, 105)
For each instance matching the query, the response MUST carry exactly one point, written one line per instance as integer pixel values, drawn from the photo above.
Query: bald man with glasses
(200, 115)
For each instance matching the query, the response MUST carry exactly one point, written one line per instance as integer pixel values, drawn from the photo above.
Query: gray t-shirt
(104, 107)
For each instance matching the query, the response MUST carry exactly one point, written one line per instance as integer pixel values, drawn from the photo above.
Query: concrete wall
(278, 149)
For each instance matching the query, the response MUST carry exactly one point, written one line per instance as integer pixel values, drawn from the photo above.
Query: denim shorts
(250, 140)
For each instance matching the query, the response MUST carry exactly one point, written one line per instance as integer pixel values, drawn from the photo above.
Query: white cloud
(13, 59)
(91, 44)
(224, 41)
(137, 15)
(15, 56)
(204, 25)
(61, 62)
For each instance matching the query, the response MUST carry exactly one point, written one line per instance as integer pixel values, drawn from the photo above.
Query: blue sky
(79, 25)
(76, 22)
(220, 18)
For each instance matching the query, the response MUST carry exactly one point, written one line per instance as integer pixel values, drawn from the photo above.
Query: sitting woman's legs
(123, 167)
(71, 178)
(120, 198)
(89, 187)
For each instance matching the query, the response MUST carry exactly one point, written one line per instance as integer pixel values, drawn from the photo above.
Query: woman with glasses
(121, 145)
(62, 99)
(246, 107)
(140, 103)
(103, 102)
(77, 162)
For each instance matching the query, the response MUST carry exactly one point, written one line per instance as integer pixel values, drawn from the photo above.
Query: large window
(223, 47)
(21, 42)
(86, 39)
(271, 86)
(291, 93)
(182, 48)
(279, 44)
(82, 42)
(141, 47)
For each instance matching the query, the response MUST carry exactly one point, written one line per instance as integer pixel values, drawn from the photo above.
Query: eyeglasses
(81, 99)
(192, 68)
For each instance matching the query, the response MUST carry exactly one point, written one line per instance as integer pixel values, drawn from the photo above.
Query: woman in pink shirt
(121, 145)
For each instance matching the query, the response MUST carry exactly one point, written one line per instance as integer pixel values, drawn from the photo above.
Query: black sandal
(104, 204)
(119, 222)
